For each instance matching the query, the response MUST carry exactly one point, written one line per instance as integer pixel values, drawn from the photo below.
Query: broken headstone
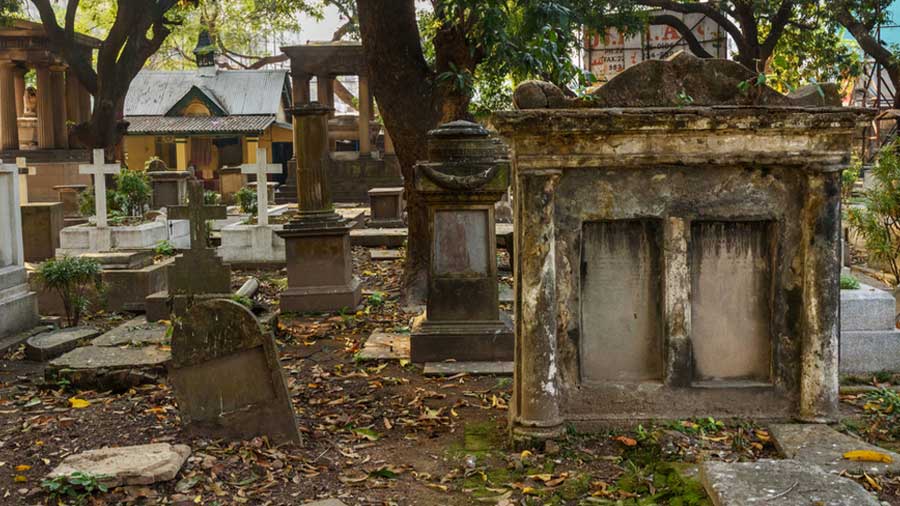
(127, 465)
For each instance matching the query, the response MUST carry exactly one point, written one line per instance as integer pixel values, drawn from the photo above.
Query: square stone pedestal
(129, 277)
(69, 194)
(320, 270)
(230, 181)
(41, 224)
(169, 187)
(386, 206)
(18, 304)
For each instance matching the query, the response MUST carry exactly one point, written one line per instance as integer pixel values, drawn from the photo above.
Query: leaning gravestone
(226, 375)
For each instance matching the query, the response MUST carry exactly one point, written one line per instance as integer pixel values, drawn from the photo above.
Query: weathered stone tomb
(675, 260)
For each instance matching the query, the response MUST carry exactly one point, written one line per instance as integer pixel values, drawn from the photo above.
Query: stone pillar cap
(312, 108)
(463, 141)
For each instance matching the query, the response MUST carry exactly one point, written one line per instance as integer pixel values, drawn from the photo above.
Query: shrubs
(849, 282)
(878, 222)
(129, 199)
(246, 200)
(70, 277)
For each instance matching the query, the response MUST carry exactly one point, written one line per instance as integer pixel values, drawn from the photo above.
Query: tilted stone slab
(50, 345)
(135, 332)
(127, 465)
(326, 502)
(226, 375)
(498, 368)
(823, 446)
(779, 483)
(378, 255)
(109, 368)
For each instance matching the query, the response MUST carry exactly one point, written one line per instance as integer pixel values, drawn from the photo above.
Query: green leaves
(78, 486)
(246, 200)
(70, 277)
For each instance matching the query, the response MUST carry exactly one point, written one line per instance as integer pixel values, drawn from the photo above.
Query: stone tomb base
(870, 340)
(464, 341)
(41, 222)
(87, 238)
(252, 245)
(18, 305)
(320, 271)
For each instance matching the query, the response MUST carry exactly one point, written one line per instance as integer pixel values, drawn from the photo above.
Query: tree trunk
(411, 104)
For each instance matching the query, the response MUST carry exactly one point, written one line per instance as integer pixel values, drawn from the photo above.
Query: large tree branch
(777, 25)
(699, 8)
(79, 61)
(685, 31)
(871, 45)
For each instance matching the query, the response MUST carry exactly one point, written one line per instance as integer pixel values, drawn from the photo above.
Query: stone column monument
(320, 271)
(466, 173)
(18, 305)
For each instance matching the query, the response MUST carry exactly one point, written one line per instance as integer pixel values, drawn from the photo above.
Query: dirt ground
(375, 433)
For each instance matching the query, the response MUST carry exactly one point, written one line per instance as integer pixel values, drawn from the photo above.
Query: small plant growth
(164, 248)
(246, 200)
(71, 278)
(878, 220)
(77, 487)
(126, 202)
(849, 282)
(211, 198)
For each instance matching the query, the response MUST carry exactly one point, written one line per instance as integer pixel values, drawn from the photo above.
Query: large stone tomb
(226, 375)
(675, 261)
(18, 304)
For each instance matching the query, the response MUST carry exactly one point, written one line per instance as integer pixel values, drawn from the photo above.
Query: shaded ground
(376, 433)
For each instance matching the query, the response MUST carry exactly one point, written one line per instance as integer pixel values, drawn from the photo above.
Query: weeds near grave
(70, 277)
(849, 282)
(702, 426)
(243, 300)
(211, 198)
(164, 248)
(882, 408)
(78, 487)
(246, 200)
(376, 299)
(132, 193)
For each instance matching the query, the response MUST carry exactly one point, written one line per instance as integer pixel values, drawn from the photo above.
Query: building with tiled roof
(207, 118)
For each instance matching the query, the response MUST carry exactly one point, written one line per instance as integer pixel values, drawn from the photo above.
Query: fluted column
(45, 131)
(9, 130)
(73, 107)
(312, 151)
(58, 85)
(19, 84)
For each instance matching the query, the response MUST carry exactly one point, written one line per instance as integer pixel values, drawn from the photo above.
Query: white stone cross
(99, 170)
(261, 168)
(11, 245)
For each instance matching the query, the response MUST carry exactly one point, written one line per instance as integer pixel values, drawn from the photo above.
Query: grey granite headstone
(226, 375)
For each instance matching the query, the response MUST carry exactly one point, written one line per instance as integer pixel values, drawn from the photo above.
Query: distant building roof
(239, 92)
(171, 125)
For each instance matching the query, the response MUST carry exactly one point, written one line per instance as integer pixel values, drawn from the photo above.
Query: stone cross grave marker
(226, 375)
(199, 270)
(196, 212)
(99, 170)
(260, 169)
(11, 249)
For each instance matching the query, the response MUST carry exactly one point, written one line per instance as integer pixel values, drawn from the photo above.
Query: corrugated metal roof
(169, 125)
(153, 93)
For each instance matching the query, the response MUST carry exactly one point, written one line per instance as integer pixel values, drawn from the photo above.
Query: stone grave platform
(50, 345)
(109, 367)
(870, 341)
(81, 238)
(779, 483)
(129, 277)
(385, 255)
(135, 332)
(499, 368)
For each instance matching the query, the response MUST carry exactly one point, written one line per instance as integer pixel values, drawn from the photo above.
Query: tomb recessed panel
(620, 301)
(731, 290)
(460, 247)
